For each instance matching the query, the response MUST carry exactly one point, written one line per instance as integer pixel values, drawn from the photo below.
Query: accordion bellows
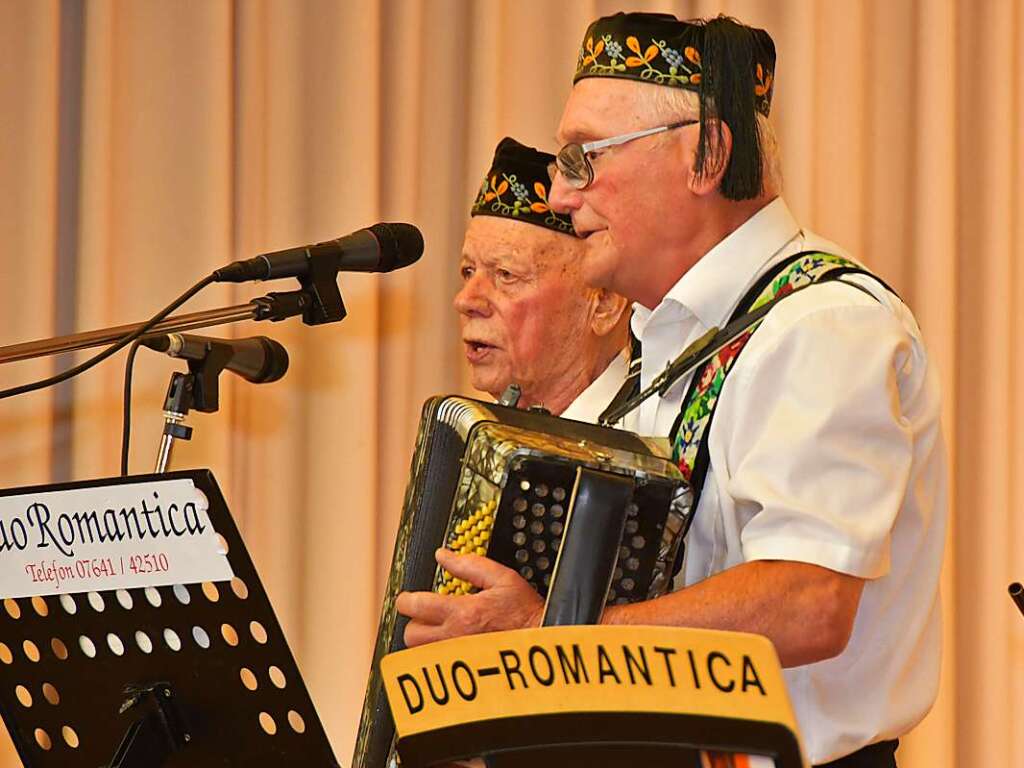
(510, 484)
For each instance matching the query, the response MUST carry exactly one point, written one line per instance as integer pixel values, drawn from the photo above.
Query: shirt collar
(712, 286)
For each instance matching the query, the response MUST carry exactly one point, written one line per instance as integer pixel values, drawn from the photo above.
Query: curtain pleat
(213, 130)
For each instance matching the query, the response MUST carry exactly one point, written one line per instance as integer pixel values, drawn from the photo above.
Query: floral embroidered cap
(517, 187)
(729, 65)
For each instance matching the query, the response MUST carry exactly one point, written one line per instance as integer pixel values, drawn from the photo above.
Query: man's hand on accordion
(505, 601)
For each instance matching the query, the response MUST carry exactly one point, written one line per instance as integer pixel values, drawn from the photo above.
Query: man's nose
(471, 300)
(563, 198)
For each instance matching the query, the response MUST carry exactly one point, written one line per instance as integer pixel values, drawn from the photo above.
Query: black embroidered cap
(729, 65)
(517, 187)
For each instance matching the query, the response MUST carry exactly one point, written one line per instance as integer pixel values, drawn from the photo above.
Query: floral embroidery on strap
(699, 407)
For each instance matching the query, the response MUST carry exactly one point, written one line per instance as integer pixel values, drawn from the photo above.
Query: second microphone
(257, 359)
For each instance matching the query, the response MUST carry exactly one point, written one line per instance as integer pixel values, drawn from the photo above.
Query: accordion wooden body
(587, 515)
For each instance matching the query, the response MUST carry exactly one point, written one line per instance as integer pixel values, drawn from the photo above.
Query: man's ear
(715, 162)
(609, 309)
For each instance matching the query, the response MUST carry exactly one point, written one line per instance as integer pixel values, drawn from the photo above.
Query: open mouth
(476, 351)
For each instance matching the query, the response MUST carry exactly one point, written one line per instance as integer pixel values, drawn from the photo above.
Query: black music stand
(159, 677)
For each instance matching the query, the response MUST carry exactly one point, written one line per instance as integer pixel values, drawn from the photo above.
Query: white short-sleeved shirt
(825, 448)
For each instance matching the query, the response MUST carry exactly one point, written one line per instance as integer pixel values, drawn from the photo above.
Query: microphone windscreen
(276, 364)
(400, 245)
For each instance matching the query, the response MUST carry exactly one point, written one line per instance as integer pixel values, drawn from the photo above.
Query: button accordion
(587, 515)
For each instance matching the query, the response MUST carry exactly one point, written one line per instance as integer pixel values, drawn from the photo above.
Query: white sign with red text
(147, 534)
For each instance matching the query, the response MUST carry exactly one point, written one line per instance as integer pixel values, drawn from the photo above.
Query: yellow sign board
(592, 669)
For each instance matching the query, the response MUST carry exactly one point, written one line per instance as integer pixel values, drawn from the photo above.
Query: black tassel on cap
(731, 93)
(728, 64)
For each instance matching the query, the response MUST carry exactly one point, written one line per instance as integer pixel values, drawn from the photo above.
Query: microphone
(380, 248)
(257, 359)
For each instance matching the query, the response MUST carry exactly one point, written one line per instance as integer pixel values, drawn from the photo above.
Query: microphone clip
(320, 284)
(202, 387)
(257, 360)
(198, 389)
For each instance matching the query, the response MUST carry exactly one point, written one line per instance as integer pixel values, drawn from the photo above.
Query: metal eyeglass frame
(573, 160)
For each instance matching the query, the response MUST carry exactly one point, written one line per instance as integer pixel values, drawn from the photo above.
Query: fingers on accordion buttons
(453, 585)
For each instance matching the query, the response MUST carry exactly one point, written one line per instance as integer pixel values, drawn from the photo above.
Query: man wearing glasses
(812, 440)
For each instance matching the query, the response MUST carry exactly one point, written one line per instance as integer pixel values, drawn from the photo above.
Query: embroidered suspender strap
(630, 386)
(689, 434)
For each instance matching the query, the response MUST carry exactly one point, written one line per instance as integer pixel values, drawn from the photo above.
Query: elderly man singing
(527, 317)
(812, 441)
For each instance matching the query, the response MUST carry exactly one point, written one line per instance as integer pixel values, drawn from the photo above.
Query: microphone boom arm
(274, 306)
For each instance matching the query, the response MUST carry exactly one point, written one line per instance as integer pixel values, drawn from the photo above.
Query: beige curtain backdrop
(145, 142)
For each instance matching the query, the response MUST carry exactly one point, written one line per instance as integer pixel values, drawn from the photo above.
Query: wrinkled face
(638, 209)
(524, 309)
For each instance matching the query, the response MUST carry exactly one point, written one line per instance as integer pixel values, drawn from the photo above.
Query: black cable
(113, 348)
(126, 414)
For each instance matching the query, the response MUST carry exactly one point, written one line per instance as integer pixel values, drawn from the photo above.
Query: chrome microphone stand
(195, 389)
(176, 408)
(318, 301)
(273, 306)
(198, 389)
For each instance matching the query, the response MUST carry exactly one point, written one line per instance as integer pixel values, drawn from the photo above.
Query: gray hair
(671, 104)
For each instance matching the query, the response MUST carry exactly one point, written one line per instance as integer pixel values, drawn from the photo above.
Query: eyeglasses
(573, 160)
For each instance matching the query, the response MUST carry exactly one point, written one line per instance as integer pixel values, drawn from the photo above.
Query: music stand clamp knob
(157, 732)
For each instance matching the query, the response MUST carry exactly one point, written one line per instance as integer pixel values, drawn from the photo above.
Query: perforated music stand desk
(218, 647)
